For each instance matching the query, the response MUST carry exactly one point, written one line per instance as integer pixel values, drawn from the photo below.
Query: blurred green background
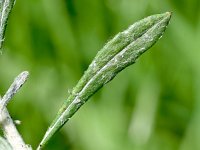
(152, 105)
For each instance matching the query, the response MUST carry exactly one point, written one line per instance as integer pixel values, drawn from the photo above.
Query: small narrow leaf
(116, 55)
(13, 89)
(5, 9)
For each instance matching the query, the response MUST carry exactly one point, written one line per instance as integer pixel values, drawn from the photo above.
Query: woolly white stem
(5, 9)
(6, 122)
(15, 86)
(11, 133)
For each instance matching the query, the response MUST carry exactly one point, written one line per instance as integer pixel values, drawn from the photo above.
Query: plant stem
(8, 127)
(6, 122)
(10, 132)
(5, 9)
(15, 86)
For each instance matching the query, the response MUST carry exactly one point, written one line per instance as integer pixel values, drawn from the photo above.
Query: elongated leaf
(5, 9)
(117, 54)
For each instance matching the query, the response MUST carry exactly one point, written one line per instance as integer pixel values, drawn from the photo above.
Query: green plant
(116, 55)
(5, 9)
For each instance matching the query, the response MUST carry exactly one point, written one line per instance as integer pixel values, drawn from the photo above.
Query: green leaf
(116, 55)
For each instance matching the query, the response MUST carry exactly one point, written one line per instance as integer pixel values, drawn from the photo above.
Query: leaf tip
(169, 14)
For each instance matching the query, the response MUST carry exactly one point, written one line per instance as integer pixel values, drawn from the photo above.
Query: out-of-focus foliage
(152, 105)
